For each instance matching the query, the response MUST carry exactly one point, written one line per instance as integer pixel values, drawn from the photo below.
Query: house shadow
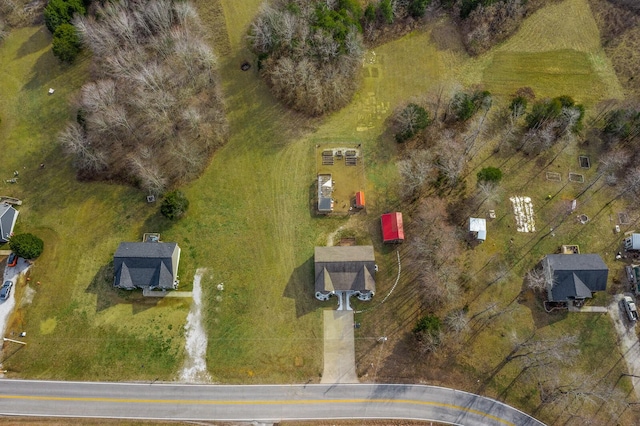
(108, 296)
(156, 222)
(300, 288)
(535, 303)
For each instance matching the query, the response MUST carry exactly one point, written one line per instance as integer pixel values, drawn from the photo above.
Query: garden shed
(478, 227)
(392, 228)
(325, 193)
(360, 201)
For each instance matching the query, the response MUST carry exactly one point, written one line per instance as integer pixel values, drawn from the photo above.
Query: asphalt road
(263, 403)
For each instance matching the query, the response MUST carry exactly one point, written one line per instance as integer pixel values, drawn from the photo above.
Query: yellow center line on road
(260, 402)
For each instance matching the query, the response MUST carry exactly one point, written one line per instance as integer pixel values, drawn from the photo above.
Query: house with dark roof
(8, 216)
(349, 269)
(146, 265)
(572, 277)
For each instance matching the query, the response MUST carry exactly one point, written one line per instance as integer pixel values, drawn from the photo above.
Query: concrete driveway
(339, 349)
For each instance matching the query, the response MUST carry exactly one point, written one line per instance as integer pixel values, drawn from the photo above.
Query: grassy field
(251, 222)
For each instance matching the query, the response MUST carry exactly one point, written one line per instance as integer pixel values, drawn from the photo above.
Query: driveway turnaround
(268, 403)
(339, 347)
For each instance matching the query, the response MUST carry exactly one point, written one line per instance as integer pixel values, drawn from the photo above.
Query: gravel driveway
(6, 306)
(628, 341)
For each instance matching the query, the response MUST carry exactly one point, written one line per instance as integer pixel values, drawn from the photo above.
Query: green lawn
(251, 222)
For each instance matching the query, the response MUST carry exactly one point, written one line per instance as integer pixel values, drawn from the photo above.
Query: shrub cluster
(464, 105)
(428, 334)
(58, 15)
(174, 205)
(27, 246)
(622, 124)
(561, 113)
(66, 44)
(548, 120)
(154, 114)
(490, 174)
(409, 121)
(309, 52)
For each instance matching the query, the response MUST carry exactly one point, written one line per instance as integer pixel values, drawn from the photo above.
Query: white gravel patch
(628, 341)
(195, 366)
(523, 212)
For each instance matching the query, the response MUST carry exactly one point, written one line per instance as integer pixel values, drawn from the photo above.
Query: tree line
(153, 114)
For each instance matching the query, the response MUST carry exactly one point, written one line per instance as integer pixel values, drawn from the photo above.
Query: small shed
(392, 228)
(360, 202)
(325, 191)
(478, 227)
(632, 242)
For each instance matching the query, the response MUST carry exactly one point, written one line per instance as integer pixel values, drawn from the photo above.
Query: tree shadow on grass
(38, 41)
(156, 222)
(108, 296)
(301, 289)
(45, 69)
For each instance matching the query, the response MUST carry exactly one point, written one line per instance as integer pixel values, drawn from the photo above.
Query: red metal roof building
(392, 230)
(360, 203)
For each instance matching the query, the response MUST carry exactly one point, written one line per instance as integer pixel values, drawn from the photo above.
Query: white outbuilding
(478, 227)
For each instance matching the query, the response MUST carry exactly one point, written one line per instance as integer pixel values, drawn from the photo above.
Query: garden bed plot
(554, 177)
(343, 161)
(585, 163)
(623, 218)
(576, 177)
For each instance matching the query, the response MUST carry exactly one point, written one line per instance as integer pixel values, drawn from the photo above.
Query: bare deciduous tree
(457, 321)
(416, 170)
(154, 114)
(536, 280)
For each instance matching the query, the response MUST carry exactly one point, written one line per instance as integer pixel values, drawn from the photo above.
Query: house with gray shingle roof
(345, 269)
(574, 276)
(146, 265)
(8, 216)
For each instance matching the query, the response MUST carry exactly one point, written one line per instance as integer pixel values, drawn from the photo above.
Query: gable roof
(574, 276)
(478, 225)
(344, 268)
(392, 227)
(146, 265)
(8, 216)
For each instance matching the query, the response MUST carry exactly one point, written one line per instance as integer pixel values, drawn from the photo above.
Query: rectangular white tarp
(523, 212)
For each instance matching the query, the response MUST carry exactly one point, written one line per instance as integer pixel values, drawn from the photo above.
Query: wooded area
(153, 114)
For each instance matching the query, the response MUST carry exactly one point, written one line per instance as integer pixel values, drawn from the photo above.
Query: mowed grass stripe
(548, 73)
